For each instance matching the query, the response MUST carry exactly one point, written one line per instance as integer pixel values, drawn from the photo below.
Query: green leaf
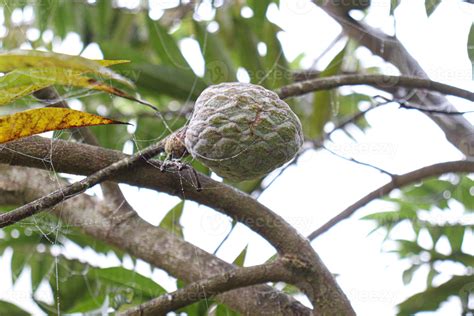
(393, 5)
(104, 16)
(174, 82)
(223, 310)
(72, 283)
(246, 48)
(171, 221)
(291, 289)
(40, 266)
(408, 248)
(455, 236)
(218, 64)
(259, 8)
(463, 193)
(431, 275)
(12, 310)
(321, 112)
(239, 261)
(18, 263)
(86, 241)
(131, 279)
(431, 5)
(165, 46)
(431, 299)
(407, 275)
(88, 305)
(276, 66)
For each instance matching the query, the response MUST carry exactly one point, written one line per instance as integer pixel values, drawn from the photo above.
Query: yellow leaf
(41, 120)
(11, 94)
(38, 59)
(22, 82)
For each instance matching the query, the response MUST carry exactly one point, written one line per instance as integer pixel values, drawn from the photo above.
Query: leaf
(104, 17)
(71, 283)
(86, 241)
(218, 63)
(40, 266)
(171, 221)
(463, 193)
(276, 65)
(22, 82)
(431, 5)
(165, 46)
(223, 310)
(320, 114)
(174, 82)
(10, 309)
(88, 305)
(18, 263)
(470, 48)
(407, 275)
(241, 257)
(393, 5)
(131, 279)
(431, 299)
(259, 8)
(455, 236)
(291, 289)
(246, 47)
(39, 59)
(37, 121)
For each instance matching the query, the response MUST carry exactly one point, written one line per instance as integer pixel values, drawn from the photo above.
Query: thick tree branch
(74, 158)
(378, 81)
(76, 188)
(111, 190)
(457, 129)
(398, 181)
(152, 244)
(205, 289)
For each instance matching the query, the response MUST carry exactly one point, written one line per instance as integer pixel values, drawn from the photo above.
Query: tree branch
(76, 188)
(457, 129)
(397, 181)
(111, 190)
(378, 81)
(163, 249)
(205, 289)
(319, 285)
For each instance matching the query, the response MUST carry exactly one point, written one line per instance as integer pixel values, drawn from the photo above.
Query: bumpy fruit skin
(242, 131)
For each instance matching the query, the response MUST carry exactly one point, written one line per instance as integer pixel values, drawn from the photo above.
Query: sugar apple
(240, 131)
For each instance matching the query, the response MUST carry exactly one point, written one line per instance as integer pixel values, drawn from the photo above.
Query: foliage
(425, 208)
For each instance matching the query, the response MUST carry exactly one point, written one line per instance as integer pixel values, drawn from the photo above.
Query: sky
(321, 185)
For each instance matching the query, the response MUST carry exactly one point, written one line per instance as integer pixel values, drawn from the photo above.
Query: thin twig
(351, 159)
(403, 104)
(378, 81)
(205, 289)
(396, 182)
(78, 187)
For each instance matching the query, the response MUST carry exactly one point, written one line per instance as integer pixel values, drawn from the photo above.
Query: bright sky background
(322, 185)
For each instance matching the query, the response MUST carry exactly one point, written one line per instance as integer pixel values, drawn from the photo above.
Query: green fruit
(242, 131)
